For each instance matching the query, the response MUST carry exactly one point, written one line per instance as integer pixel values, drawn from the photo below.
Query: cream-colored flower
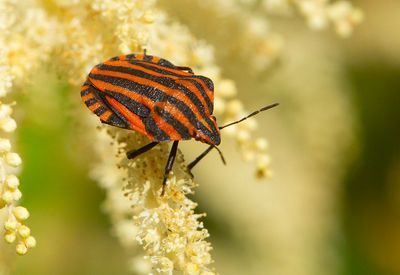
(84, 33)
(320, 14)
(133, 33)
(14, 224)
(28, 36)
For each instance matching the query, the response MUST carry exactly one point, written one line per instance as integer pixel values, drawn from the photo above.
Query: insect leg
(202, 155)
(170, 162)
(134, 153)
(182, 68)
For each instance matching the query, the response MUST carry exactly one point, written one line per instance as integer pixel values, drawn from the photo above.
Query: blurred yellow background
(333, 204)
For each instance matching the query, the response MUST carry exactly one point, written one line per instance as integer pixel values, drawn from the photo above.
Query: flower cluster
(27, 39)
(231, 109)
(28, 36)
(138, 25)
(10, 194)
(255, 44)
(166, 227)
(318, 13)
(169, 230)
(83, 33)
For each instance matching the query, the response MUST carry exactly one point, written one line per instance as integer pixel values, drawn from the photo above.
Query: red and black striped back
(154, 97)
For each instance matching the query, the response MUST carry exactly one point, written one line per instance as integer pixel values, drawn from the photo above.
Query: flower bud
(148, 17)
(30, 242)
(5, 145)
(8, 197)
(261, 144)
(234, 107)
(24, 231)
(21, 213)
(226, 88)
(12, 181)
(21, 249)
(5, 111)
(10, 237)
(10, 225)
(13, 159)
(17, 195)
(8, 125)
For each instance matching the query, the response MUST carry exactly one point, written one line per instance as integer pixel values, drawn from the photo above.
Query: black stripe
(203, 94)
(150, 92)
(130, 56)
(115, 120)
(119, 120)
(85, 92)
(90, 102)
(176, 124)
(115, 58)
(132, 105)
(155, 95)
(166, 63)
(165, 81)
(99, 111)
(170, 83)
(193, 78)
(153, 129)
(207, 81)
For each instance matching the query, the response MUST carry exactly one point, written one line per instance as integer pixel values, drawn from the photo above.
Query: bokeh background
(333, 204)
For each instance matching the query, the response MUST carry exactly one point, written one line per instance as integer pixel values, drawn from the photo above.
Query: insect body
(152, 96)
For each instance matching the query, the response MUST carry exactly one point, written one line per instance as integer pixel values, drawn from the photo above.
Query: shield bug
(152, 96)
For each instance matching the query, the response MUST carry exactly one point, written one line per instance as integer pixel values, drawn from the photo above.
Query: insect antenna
(252, 114)
(221, 155)
(202, 155)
